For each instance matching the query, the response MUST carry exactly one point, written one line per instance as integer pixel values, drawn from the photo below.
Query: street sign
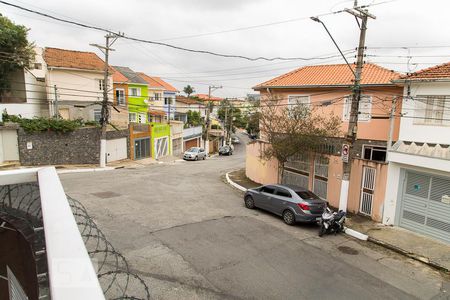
(345, 152)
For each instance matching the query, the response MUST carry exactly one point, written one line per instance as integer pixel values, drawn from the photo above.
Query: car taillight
(303, 206)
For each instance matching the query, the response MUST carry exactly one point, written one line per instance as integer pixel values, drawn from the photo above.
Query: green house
(160, 140)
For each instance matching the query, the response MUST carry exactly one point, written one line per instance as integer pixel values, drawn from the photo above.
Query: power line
(156, 42)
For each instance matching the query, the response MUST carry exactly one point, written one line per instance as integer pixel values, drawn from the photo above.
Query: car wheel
(196, 158)
(288, 217)
(204, 157)
(249, 202)
(322, 230)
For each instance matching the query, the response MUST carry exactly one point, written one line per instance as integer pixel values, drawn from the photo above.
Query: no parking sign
(345, 152)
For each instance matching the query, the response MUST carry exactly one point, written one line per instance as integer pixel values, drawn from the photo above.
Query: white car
(195, 153)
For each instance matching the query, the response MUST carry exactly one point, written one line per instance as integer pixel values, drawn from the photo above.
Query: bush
(44, 124)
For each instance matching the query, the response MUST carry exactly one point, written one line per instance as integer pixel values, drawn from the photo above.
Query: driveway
(187, 233)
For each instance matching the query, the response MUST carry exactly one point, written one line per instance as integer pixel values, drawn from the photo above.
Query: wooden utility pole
(56, 108)
(110, 39)
(211, 89)
(363, 15)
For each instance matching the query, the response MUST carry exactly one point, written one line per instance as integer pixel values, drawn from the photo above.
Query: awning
(441, 151)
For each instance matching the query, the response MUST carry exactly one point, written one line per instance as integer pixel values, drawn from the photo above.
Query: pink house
(329, 88)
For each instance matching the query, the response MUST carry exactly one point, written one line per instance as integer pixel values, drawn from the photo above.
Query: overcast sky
(400, 23)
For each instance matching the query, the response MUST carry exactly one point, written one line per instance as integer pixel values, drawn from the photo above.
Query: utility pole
(225, 125)
(230, 128)
(56, 102)
(391, 126)
(110, 39)
(363, 15)
(211, 89)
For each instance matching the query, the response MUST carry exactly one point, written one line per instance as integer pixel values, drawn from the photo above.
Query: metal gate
(425, 205)
(297, 179)
(367, 190)
(141, 148)
(320, 183)
(161, 147)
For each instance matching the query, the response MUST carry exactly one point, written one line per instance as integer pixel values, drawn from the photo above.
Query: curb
(86, 170)
(234, 184)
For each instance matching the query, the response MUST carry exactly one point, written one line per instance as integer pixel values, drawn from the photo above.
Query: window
(141, 118)
(101, 84)
(268, 190)
(365, 108)
(168, 101)
(283, 193)
(120, 96)
(38, 66)
(134, 92)
(97, 114)
(132, 117)
(157, 96)
(432, 109)
(377, 153)
(298, 100)
(307, 195)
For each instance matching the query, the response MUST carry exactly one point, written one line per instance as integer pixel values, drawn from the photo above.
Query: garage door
(295, 178)
(116, 149)
(190, 143)
(177, 145)
(425, 205)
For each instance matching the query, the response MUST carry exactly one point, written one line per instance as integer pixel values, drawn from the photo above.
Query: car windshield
(307, 195)
(224, 147)
(193, 149)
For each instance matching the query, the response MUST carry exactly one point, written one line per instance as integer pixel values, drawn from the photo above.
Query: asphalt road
(187, 233)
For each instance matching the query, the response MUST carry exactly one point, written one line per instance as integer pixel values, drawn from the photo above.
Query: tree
(194, 118)
(188, 90)
(16, 52)
(294, 129)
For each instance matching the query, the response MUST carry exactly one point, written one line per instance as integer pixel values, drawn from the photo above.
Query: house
(74, 83)
(185, 104)
(137, 97)
(157, 112)
(215, 101)
(27, 95)
(418, 182)
(329, 88)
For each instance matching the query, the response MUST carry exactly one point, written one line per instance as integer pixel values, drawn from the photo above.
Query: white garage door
(116, 149)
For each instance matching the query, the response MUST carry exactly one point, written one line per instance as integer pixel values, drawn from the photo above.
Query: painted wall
(257, 169)
(9, 146)
(374, 129)
(159, 130)
(415, 129)
(172, 96)
(138, 104)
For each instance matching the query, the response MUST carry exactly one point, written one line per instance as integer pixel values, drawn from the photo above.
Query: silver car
(293, 203)
(195, 153)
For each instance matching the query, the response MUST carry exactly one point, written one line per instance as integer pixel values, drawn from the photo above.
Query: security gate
(367, 190)
(425, 205)
(141, 148)
(161, 147)
(294, 178)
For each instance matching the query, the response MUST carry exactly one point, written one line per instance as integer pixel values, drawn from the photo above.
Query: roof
(117, 76)
(71, 59)
(152, 83)
(440, 151)
(437, 72)
(331, 75)
(155, 112)
(129, 75)
(186, 100)
(157, 82)
(206, 97)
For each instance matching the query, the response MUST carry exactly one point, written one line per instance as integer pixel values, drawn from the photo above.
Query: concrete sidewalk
(408, 243)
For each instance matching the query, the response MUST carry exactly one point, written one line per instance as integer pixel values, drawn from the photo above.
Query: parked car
(194, 153)
(293, 203)
(226, 150)
(235, 140)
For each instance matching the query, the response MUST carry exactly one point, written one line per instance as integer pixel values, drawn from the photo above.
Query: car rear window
(283, 193)
(307, 195)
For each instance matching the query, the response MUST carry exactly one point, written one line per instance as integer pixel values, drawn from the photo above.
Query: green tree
(194, 118)
(188, 90)
(16, 51)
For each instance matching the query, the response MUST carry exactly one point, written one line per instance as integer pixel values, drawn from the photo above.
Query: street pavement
(188, 235)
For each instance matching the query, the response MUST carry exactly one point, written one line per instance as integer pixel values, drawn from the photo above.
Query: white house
(75, 83)
(418, 184)
(27, 95)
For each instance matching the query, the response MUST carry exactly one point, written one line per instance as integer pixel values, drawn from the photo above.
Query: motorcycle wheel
(322, 230)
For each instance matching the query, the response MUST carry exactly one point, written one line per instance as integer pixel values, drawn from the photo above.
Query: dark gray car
(293, 203)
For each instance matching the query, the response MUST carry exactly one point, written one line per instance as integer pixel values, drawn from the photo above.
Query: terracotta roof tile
(117, 76)
(157, 82)
(155, 112)
(331, 75)
(186, 100)
(206, 97)
(437, 72)
(62, 58)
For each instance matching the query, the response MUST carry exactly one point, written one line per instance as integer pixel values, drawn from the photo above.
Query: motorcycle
(332, 222)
